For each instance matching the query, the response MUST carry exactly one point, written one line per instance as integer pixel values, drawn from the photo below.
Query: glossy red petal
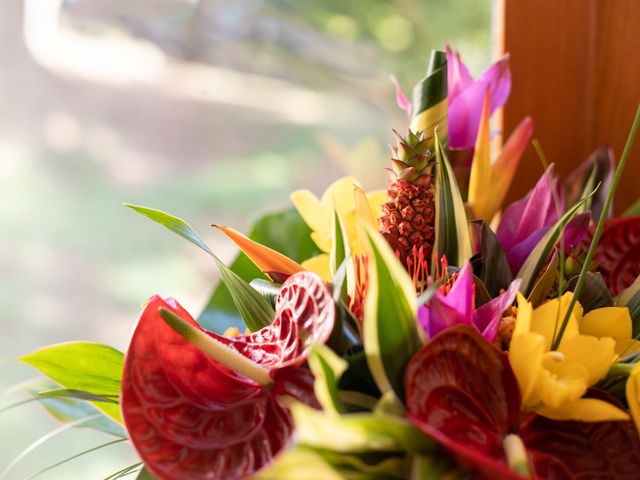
(618, 253)
(305, 314)
(190, 417)
(563, 450)
(461, 391)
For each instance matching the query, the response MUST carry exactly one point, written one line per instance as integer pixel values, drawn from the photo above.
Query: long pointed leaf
(77, 455)
(340, 251)
(254, 309)
(391, 335)
(327, 368)
(539, 255)
(452, 233)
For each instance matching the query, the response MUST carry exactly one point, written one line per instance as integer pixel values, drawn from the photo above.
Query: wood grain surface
(576, 71)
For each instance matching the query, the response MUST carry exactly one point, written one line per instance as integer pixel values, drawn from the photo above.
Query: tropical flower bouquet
(423, 331)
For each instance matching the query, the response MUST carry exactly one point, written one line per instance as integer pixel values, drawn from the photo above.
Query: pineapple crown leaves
(412, 157)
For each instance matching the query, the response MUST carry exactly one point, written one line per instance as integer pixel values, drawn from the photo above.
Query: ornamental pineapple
(408, 216)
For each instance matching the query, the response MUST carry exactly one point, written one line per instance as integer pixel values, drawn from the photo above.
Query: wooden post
(576, 71)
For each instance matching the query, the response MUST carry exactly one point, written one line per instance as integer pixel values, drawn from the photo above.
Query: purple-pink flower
(457, 307)
(466, 96)
(525, 221)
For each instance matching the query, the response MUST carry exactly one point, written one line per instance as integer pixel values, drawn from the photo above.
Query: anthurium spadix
(200, 405)
(491, 176)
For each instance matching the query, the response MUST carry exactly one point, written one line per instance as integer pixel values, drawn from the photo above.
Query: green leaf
(538, 257)
(79, 395)
(390, 330)
(86, 366)
(545, 281)
(77, 455)
(436, 466)
(327, 368)
(254, 309)
(144, 475)
(299, 463)
(452, 234)
(267, 289)
(634, 311)
(67, 409)
(340, 251)
(491, 265)
(357, 432)
(284, 231)
(429, 103)
(175, 224)
(596, 170)
(633, 210)
(304, 463)
(595, 293)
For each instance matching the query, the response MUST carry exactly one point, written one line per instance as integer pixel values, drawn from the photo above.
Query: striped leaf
(430, 98)
(390, 328)
(453, 237)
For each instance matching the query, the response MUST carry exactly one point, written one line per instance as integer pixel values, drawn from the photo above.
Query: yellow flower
(553, 382)
(346, 197)
(632, 392)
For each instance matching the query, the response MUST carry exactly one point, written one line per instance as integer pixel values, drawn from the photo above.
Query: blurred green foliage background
(213, 110)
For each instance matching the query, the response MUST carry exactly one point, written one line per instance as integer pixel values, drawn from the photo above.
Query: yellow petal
(480, 189)
(523, 319)
(559, 381)
(314, 213)
(525, 357)
(627, 347)
(596, 354)
(612, 322)
(632, 392)
(548, 317)
(339, 194)
(322, 239)
(376, 198)
(319, 264)
(585, 410)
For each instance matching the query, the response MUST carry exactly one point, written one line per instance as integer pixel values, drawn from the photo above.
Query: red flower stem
(216, 350)
(599, 228)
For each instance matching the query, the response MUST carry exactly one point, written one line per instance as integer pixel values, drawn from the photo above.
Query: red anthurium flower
(191, 416)
(461, 391)
(618, 253)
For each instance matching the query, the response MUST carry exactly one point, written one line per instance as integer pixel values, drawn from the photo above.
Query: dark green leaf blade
(254, 309)
(66, 409)
(491, 264)
(595, 293)
(175, 224)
